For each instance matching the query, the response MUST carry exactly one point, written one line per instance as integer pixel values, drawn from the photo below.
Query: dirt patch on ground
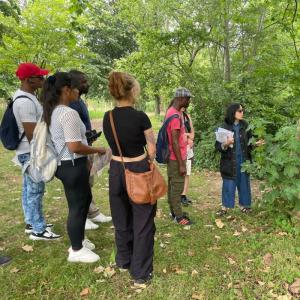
(209, 190)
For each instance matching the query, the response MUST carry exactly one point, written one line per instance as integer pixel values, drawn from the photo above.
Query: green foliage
(206, 157)
(43, 35)
(277, 163)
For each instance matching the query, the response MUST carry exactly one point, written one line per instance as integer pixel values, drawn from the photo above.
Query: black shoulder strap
(22, 96)
(13, 101)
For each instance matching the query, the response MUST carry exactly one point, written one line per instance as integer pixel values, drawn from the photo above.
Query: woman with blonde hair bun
(134, 223)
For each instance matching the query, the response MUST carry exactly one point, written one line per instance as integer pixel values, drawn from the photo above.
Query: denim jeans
(241, 183)
(32, 196)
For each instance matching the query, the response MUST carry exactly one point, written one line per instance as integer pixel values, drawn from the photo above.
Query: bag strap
(13, 101)
(112, 124)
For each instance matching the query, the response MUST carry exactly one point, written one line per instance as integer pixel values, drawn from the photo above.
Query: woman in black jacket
(233, 154)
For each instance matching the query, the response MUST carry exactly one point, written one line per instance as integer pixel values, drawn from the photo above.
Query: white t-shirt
(25, 110)
(66, 126)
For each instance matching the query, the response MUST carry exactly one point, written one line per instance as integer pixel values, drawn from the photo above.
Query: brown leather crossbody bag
(142, 188)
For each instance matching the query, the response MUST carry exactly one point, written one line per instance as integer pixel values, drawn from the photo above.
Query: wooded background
(222, 50)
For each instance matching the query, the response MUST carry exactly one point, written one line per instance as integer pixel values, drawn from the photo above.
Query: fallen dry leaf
(162, 245)
(27, 248)
(261, 283)
(99, 269)
(271, 294)
(197, 297)
(268, 258)
(31, 292)
(244, 229)
(294, 288)
(231, 261)
(1, 249)
(214, 248)
(85, 292)
(167, 235)
(179, 271)
(195, 272)
(282, 233)
(236, 233)
(187, 227)
(165, 271)
(217, 237)
(109, 272)
(14, 270)
(219, 223)
(285, 297)
(159, 213)
(230, 285)
(271, 285)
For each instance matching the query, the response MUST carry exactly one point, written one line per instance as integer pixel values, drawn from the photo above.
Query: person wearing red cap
(27, 111)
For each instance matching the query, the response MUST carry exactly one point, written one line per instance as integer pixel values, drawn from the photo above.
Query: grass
(204, 262)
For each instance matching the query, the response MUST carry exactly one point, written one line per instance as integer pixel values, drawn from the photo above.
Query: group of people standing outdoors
(66, 116)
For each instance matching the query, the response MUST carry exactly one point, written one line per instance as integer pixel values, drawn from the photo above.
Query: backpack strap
(12, 103)
(169, 119)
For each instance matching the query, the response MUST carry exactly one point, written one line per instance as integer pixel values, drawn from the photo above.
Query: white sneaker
(88, 244)
(89, 225)
(44, 236)
(101, 218)
(83, 255)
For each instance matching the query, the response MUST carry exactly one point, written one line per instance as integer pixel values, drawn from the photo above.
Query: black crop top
(130, 126)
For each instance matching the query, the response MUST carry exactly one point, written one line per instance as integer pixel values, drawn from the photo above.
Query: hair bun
(52, 79)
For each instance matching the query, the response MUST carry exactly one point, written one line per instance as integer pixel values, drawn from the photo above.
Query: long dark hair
(230, 112)
(51, 92)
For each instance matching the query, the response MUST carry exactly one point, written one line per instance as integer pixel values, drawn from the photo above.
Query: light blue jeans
(32, 196)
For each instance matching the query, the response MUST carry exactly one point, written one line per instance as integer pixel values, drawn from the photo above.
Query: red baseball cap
(26, 70)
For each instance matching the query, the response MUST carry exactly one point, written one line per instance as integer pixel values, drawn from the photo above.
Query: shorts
(188, 167)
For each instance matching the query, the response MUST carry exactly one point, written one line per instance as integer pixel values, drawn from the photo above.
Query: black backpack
(9, 131)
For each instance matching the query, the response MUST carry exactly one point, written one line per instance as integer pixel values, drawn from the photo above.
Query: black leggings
(78, 192)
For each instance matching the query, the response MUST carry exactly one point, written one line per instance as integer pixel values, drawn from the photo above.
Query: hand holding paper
(225, 136)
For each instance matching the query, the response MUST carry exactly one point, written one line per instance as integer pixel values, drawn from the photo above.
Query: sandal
(221, 212)
(246, 210)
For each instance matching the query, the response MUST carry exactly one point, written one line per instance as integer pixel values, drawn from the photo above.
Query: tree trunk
(157, 104)
(227, 71)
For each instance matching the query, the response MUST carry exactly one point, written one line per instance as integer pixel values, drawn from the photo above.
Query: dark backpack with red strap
(162, 144)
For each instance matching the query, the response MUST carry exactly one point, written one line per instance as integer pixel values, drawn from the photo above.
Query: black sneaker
(183, 220)
(44, 236)
(28, 227)
(4, 260)
(222, 212)
(189, 201)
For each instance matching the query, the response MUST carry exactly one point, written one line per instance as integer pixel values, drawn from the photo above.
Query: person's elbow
(75, 147)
